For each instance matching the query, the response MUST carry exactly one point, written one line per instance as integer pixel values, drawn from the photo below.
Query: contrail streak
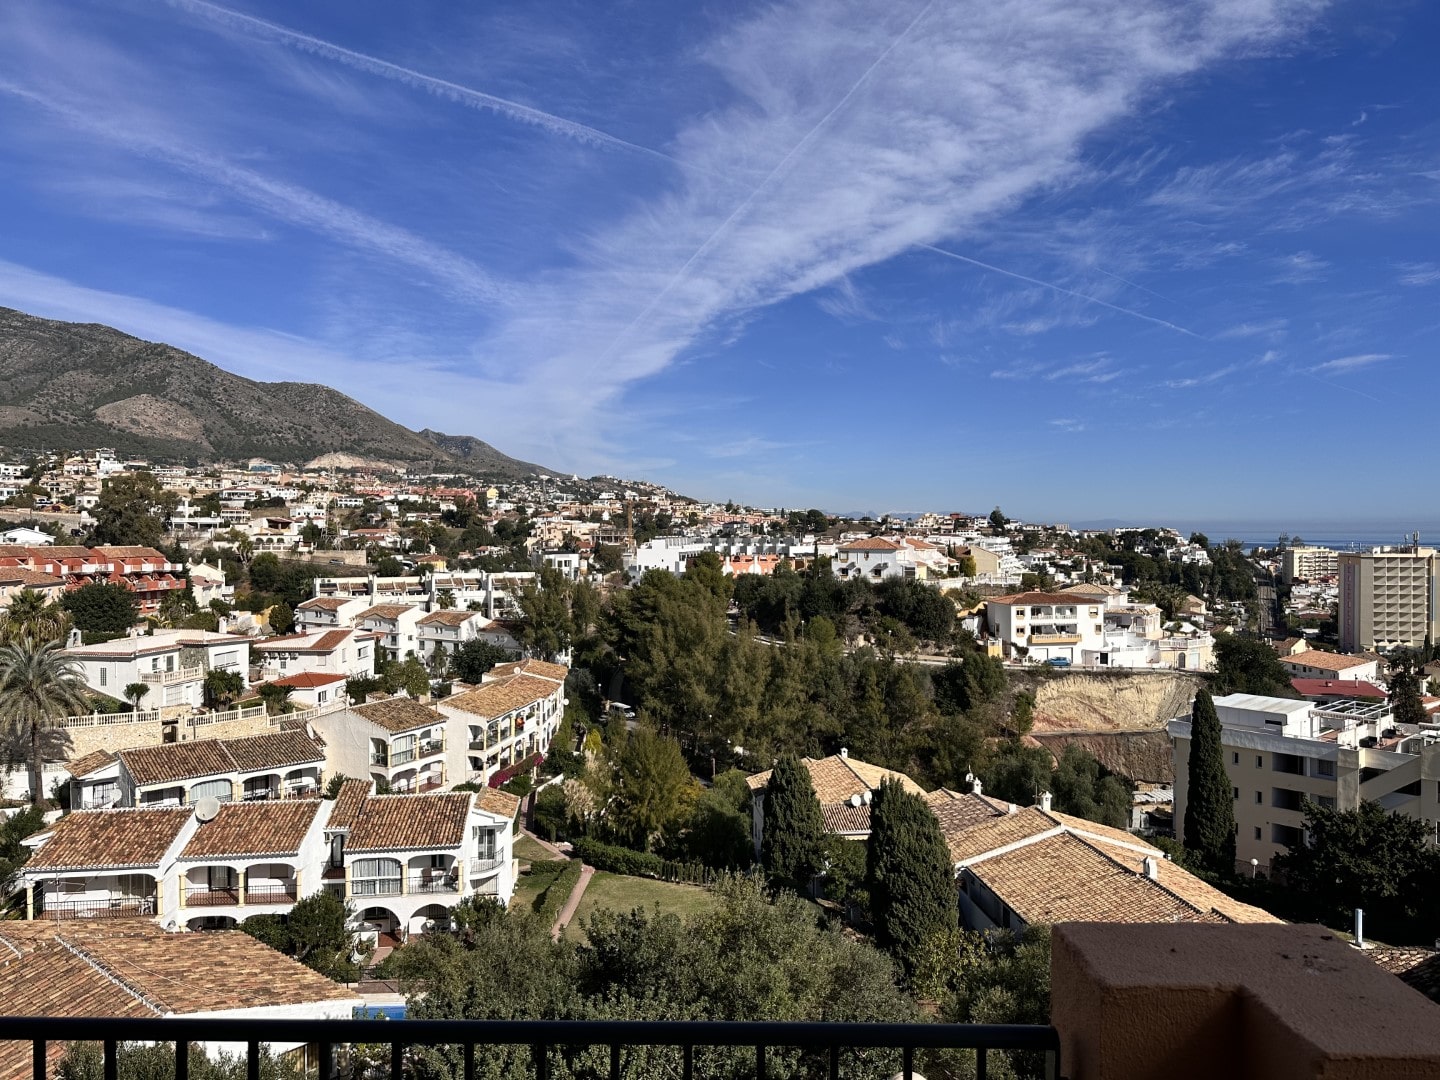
(442, 88)
(1059, 289)
(749, 200)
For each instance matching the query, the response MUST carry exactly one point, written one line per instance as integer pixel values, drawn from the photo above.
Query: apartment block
(1388, 598)
(1279, 752)
(1308, 564)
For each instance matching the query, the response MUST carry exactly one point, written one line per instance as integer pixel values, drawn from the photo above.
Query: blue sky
(1082, 259)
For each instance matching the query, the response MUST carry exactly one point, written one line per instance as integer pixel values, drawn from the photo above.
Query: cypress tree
(911, 878)
(791, 844)
(1209, 805)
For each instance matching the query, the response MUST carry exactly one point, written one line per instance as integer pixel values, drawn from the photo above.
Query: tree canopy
(102, 608)
(793, 833)
(132, 509)
(911, 880)
(1209, 825)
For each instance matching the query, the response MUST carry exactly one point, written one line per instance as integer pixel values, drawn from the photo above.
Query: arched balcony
(219, 885)
(432, 874)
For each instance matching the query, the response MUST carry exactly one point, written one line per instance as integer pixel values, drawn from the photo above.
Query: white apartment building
(1046, 626)
(171, 663)
(450, 629)
(508, 719)
(397, 742)
(1308, 564)
(1388, 598)
(401, 861)
(1338, 667)
(395, 628)
(1279, 751)
(326, 612)
(344, 651)
(278, 765)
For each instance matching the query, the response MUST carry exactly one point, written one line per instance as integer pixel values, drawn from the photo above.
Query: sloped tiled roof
(324, 603)
(173, 762)
(399, 714)
(150, 971)
(1042, 598)
(451, 618)
(91, 763)
(957, 812)
(308, 680)
(495, 801)
(385, 611)
(1417, 967)
(408, 822)
(1325, 661)
(346, 807)
(110, 839)
(504, 695)
(844, 818)
(317, 641)
(871, 543)
(541, 668)
(837, 777)
(29, 579)
(254, 829)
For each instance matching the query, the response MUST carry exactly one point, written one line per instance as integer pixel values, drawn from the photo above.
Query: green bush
(558, 891)
(620, 860)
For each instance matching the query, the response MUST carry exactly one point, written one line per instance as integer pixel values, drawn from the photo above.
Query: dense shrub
(620, 860)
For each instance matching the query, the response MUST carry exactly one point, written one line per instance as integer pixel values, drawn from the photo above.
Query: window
(1235, 758)
(1327, 801)
(1259, 761)
(375, 877)
(1237, 794)
(1325, 768)
(1257, 832)
(103, 673)
(228, 658)
(485, 841)
(215, 789)
(1259, 797)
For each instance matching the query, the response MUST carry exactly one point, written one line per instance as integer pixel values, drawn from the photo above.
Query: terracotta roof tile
(1041, 598)
(408, 822)
(308, 680)
(106, 839)
(958, 813)
(1325, 661)
(348, 801)
(503, 696)
(173, 762)
(495, 801)
(30, 579)
(258, 829)
(90, 763)
(399, 714)
(324, 603)
(836, 778)
(844, 818)
(541, 668)
(385, 611)
(871, 543)
(977, 839)
(451, 618)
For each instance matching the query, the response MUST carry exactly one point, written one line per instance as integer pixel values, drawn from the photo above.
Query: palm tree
(134, 692)
(29, 617)
(39, 686)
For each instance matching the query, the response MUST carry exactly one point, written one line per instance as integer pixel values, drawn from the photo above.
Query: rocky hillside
(1114, 701)
(75, 385)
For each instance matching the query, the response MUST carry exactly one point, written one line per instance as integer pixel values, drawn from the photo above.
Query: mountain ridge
(70, 385)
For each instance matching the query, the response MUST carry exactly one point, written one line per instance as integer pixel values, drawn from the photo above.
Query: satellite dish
(866, 798)
(207, 808)
(854, 800)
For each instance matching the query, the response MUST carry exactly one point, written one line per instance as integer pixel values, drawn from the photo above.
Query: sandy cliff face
(1127, 701)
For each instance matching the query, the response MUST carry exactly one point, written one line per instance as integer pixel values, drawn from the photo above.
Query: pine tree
(1209, 825)
(910, 875)
(791, 846)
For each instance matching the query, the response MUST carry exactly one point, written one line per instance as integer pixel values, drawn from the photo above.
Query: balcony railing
(431, 746)
(169, 678)
(283, 893)
(375, 887)
(119, 907)
(433, 883)
(554, 1047)
(211, 897)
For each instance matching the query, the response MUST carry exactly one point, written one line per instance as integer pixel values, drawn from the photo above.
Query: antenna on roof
(207, 808)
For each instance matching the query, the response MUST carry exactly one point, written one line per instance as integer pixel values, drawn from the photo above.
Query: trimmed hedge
(558, 891)
(619, 860)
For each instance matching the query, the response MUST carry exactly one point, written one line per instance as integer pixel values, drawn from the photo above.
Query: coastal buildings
(1388, 598)
(1280, 751)
(1308, 564)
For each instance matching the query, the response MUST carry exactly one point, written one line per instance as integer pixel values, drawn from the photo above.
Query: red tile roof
(308, 680)
(1350, 688)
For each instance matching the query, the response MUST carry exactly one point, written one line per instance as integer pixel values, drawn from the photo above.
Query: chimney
(977, 788)
(844, 752)
(1360, 928)
(1151, 867)
(1045, 801)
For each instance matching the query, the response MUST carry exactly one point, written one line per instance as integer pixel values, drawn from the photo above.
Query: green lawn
(527, 850)
(621, 893)
(528, 888)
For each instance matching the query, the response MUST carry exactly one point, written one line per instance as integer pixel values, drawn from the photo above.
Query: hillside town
(277, 688)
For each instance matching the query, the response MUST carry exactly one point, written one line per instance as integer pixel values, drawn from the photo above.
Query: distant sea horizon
(1340, 536)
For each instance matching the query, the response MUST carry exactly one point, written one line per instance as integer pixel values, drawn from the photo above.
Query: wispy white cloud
(1419, 274)
(1203, 380)
(1301, 268)
(264, 30)
(1067, 424)
(1269, 356)
(1266, 328)
(1350, 363)
(284, 201)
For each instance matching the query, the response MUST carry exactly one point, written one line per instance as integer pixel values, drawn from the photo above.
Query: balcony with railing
(170, 678)
(50, 905)
(437, 881)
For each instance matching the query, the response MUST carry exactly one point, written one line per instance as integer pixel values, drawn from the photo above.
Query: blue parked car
(1058, 661)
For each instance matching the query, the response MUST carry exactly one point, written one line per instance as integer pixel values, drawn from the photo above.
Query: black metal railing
(830, 1049)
